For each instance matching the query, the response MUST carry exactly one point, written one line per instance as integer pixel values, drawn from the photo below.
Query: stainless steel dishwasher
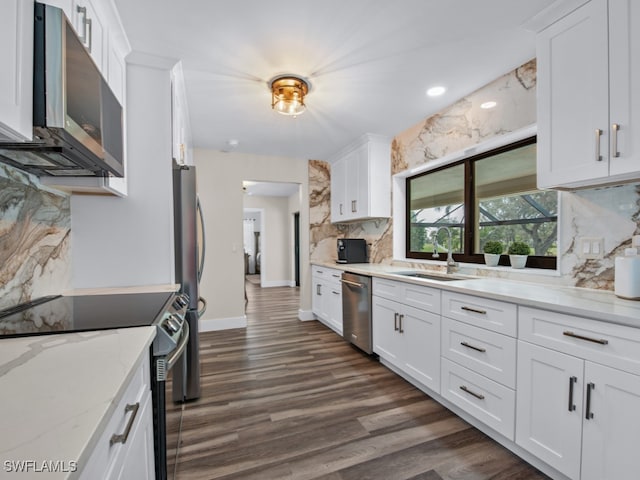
(356, 310)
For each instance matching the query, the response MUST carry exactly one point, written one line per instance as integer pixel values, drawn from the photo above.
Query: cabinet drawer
(488, 401)
(488, 353)
(104, 454)
(418, 296)
(609, 344)
(493, 315)
(326, 273)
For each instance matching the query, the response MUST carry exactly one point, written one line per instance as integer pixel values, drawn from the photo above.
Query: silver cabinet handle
(598, 135)
(318, 292)
(354, 204)
(395, 322)
(89, 34)
(572, 382)
(614, 140)
(473, 347)
(122, 437)
(590, 388)
(335, 293)
(335, 276)
(601, 341)
(401, 317)
(86, 35)
(341, 209)
(471, 392)
(474, 310)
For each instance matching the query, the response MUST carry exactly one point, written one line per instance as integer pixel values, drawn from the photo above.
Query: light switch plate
(591, 247)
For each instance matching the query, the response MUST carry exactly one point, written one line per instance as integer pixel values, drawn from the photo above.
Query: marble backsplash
(611, 213)
(35, 225)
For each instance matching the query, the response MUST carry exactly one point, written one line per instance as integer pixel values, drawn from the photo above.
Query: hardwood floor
(286, 399)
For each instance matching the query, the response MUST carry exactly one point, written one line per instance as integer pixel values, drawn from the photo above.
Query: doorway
(296, 247)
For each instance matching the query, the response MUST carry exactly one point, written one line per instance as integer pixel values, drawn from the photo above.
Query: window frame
(533, 261)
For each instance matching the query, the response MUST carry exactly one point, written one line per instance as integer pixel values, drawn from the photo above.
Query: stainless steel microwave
(77, 120)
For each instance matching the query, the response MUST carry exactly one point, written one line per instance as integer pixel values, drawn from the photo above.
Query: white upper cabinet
(91, 30)
(180, 127)
(361, 180)
(588, 64)
(16, 75)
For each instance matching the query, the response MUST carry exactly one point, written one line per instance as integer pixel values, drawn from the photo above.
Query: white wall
(277, 250)
(220, 177)
(129, 241)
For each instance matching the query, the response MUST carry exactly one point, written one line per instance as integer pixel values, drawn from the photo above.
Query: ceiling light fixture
(287, 94)
(436, 91)
(488, 105)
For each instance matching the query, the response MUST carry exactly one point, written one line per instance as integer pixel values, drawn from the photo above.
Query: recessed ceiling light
(487, 105)
(435, 91)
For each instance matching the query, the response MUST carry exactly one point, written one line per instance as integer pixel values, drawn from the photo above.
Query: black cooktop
(63, 314)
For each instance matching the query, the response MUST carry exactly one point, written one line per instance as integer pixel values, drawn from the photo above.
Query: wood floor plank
(291, 400)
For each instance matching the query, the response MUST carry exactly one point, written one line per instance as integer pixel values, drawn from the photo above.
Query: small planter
(491, 259)
(518, 261)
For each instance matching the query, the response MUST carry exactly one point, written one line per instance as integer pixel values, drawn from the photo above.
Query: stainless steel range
(166, 311)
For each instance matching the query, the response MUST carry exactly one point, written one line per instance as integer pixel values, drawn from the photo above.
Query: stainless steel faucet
(451, 263)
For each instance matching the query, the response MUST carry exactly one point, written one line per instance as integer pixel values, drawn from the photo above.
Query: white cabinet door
(624, 66)
(420, 336)
(16, 75)
(352, 185)
(317, 304)
(549, 406)
(611, 431)
(333, 298)
(138, 460)
(386, 341)
(361, 182)
(573, 102)
(338, 185)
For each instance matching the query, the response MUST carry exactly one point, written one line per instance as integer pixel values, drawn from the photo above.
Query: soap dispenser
(627, 272)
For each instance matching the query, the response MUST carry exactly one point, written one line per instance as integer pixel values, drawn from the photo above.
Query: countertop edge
(600, 305)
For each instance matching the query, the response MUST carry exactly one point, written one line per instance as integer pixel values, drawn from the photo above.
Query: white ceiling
(369, 63)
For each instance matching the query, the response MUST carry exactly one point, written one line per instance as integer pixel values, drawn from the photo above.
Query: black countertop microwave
(77, 120)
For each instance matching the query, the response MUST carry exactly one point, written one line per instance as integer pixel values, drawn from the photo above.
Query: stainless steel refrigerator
(189, 261)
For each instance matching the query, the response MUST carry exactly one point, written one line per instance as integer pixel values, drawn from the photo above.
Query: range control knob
(172, 325)
(181, 301)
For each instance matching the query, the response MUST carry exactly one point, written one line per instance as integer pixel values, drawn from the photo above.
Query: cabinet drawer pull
(614, 140)
(601, 341)
(400, 317)
(335, 293)
(470, 392)
(598, 135)
(590, 387)
(122, 437)
(335, 276)
(572, 382)
(341, 210)
(318, 292)
(354, 207)
(395, 322)
(473, 347)
(474, 310)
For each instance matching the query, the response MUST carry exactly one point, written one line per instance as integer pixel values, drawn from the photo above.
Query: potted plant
(492, 250)
(518, 253)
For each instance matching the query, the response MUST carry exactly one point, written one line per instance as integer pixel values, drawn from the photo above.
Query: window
(490, 196)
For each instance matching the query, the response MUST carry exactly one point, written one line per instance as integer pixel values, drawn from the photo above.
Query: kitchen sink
(430, 276)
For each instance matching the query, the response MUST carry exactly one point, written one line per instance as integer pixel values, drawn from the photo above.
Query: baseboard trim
(215, 324)
(305, 315)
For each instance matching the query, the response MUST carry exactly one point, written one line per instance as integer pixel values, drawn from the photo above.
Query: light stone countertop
(57, 393)
(584, 302)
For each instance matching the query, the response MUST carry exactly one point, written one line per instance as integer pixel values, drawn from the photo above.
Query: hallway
(286, 399)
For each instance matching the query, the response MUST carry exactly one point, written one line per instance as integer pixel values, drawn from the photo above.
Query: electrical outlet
(591, 247)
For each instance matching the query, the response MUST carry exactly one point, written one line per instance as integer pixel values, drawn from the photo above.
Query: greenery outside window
(490, 196)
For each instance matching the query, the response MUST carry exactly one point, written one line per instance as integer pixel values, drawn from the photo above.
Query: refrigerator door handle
(204, 243)
(201, 311)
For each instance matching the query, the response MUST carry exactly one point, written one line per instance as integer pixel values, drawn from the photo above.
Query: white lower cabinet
(124, 451)
(408, 338)
(577, 415)
(326, 300)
